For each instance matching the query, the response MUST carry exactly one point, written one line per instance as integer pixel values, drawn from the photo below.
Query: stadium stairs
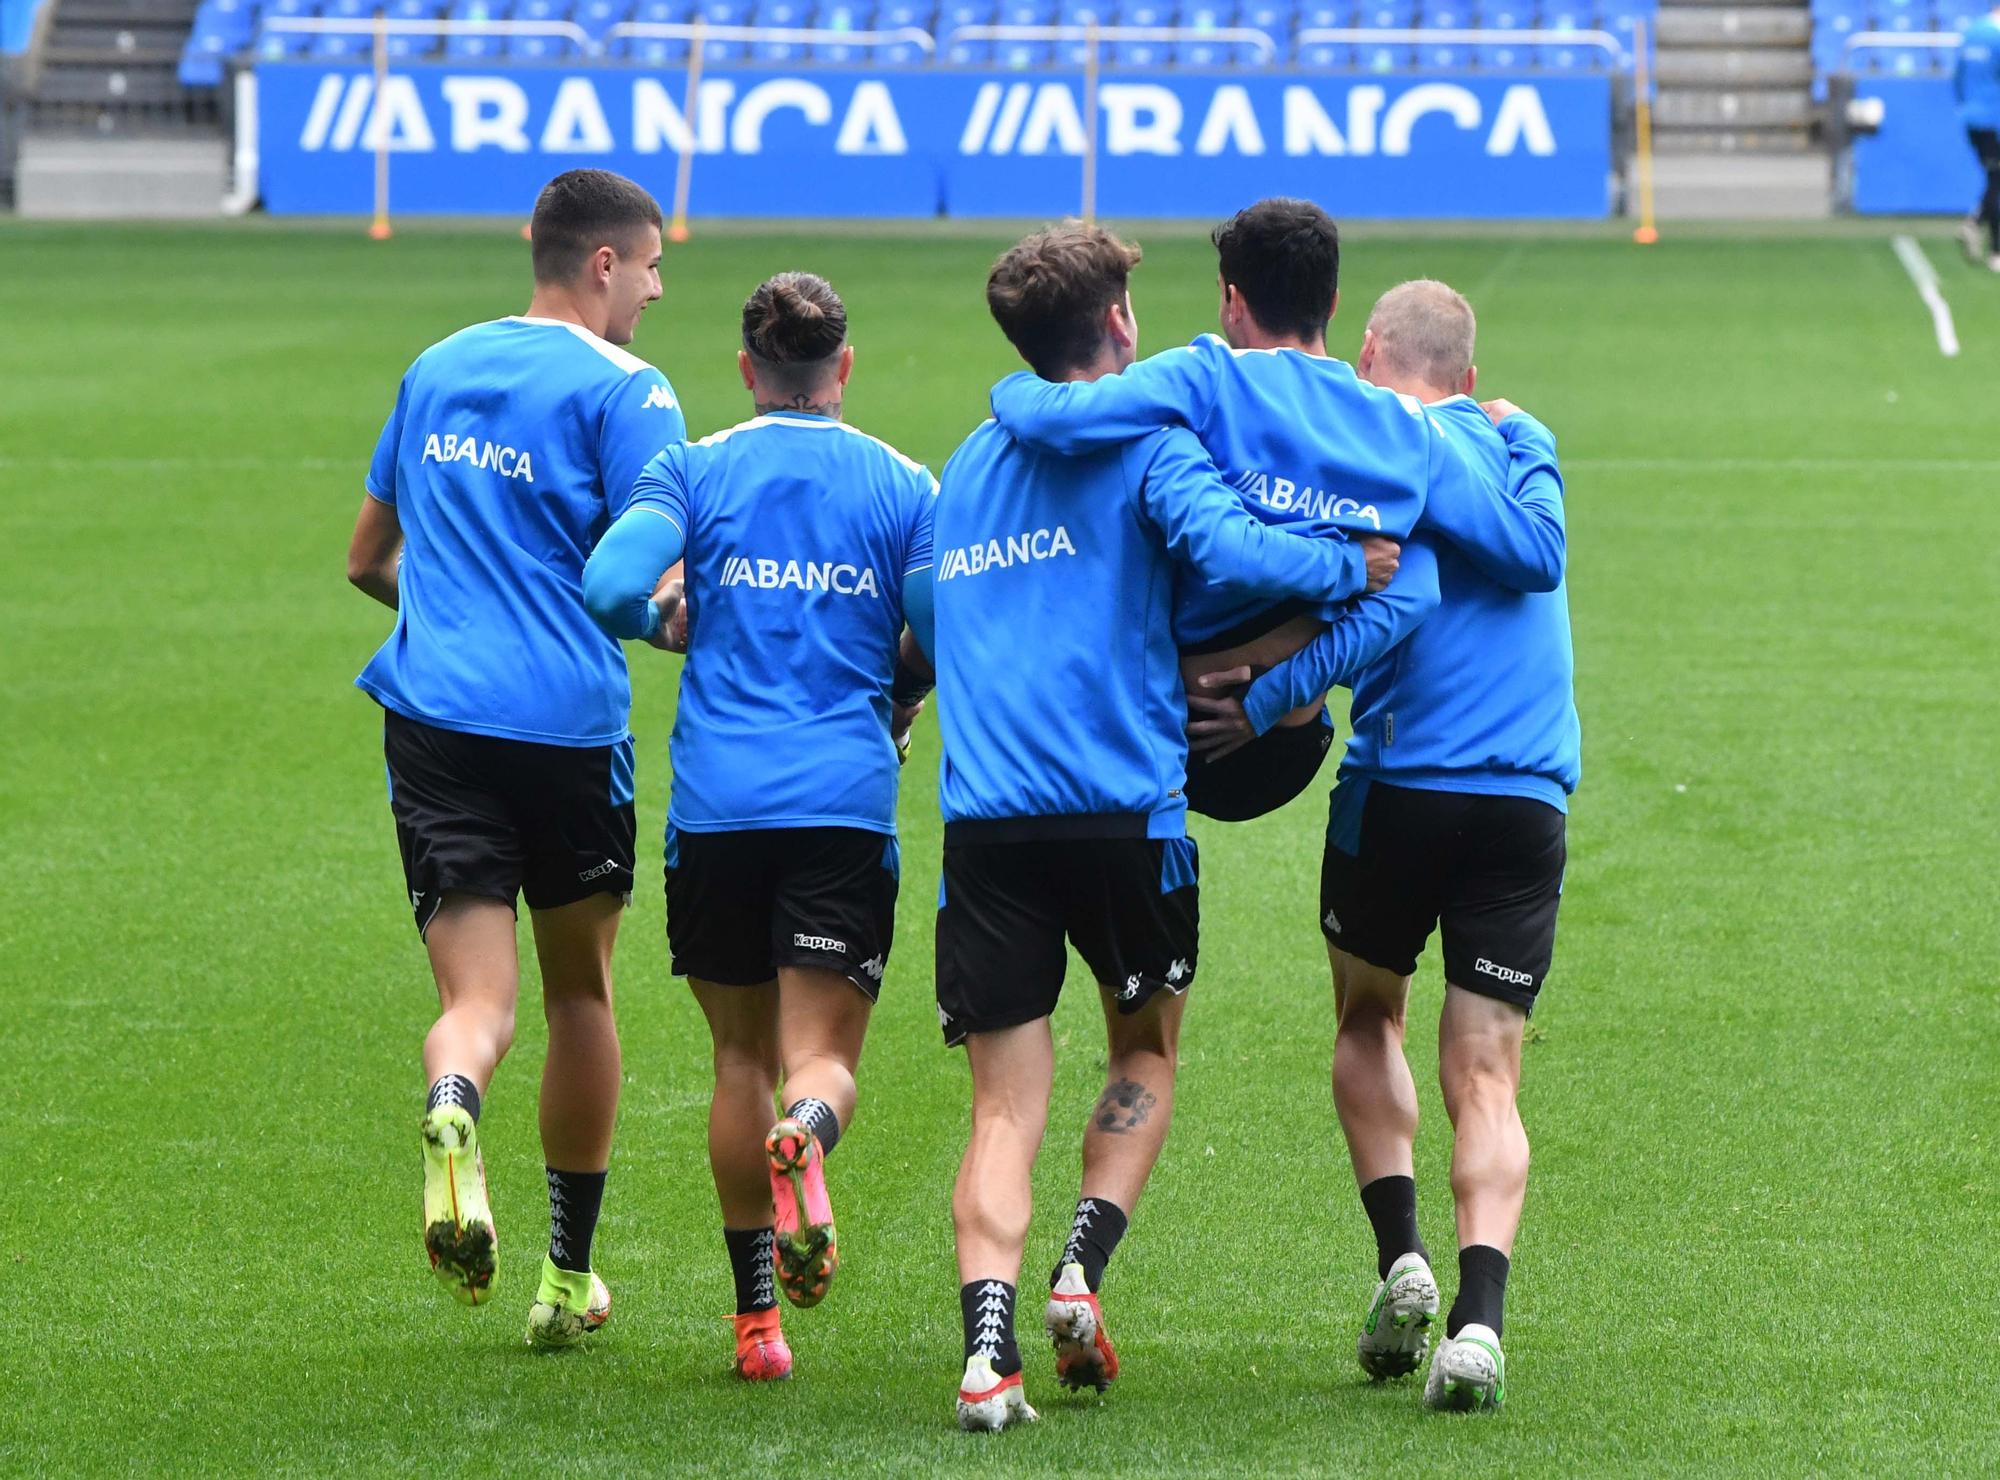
(105, 127)
(1733, 125)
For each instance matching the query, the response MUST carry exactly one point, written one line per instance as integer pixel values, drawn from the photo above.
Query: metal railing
(1895, 41)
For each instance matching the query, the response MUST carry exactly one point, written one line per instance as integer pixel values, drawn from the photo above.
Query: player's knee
(1373, 1013)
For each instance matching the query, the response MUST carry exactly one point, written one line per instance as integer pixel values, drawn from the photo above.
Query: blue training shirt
(1060, 698)
(1305, 443)
(800, 531)
(512, 447)
(1480, 696)
(1975, 80)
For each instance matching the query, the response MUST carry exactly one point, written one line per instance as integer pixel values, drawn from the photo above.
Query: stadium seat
(724, 51)
(919, 14)
(1275, 18)
(472, 46)
(1140, 54)
(415, 10)
(1383, 57)
(956, 13)
(1502, 56)
(539, 48)
(599, 16)
(653, 51)
(842, 15)
(1569, 58)
(335, 47)
(781, 14)
(275, 46)
(1147, 13)
(1020, 56)
(198, 68)
(901, 54)
(1386, 15)
(1445, 15)
(1326, 55)
(778, 51)
(1027, 13)
(664, 12)
(969, 53)
(222, 27)
(1902, 61)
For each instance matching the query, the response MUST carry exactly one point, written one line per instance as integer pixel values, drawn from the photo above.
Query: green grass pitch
(1761, 1089)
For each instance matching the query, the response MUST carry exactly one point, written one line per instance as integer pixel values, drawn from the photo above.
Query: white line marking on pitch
(1918, 266)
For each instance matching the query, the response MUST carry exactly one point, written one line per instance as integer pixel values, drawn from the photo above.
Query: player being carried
(806, 542)
(1450, 809)
(1310, 447)
(1063, 724)
(511, 447)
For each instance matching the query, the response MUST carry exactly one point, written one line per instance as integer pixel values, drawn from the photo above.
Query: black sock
(454, 1089)
(750, 1262)
(988, 1308)
(1391, 1203)
(574, 1198)
(817, 1116)
(1482, 1289)
(1093, 1237)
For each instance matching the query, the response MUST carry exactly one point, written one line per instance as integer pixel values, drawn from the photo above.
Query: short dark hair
(1283, 256)
(792, 325)
(581, 210)
(1049, 293)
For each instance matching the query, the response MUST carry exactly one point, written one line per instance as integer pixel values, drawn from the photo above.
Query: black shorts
(476, 814)
(1261, 776)
(741, 904)
(1131, 907)
(1490, 868)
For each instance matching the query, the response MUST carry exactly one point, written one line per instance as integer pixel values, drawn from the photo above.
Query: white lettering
(871, 125)
(576, 121)
(491, 457)
(746, 134)
(487, 111)
(1308, 130)
(1053, 119)
(1019, 549)
(1231, 124)
(1008, 125)
(1364, 105)
(1140, 118)
(319, 117)
(1447, 98)
(1521, 119)
(398, 123)
(985, 103)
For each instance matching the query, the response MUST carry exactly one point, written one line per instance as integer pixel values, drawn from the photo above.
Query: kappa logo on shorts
(1503, 973)
(820, 943)
(1331, 922)
(872, 968)
(609, 866)
(1132, 985)
(1178, 973)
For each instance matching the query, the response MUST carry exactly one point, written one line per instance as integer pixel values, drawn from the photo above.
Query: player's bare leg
(1479, 1069)
(1376, 1098)
(1013, 1070)
(1121, 1144)
(743, 1025)
(470, 941)
(579, 1108)
(822, 1020)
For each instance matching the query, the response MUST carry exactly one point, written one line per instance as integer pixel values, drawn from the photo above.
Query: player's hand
(1498, 411)
(1217, 722)
(901, 719)
(1384, 556)
(672, 635)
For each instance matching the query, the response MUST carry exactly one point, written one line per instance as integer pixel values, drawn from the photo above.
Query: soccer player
(511, 447)
(1309, 447)
(1975, 82)
(1062, 788)
(807, 543)
(1450, 810)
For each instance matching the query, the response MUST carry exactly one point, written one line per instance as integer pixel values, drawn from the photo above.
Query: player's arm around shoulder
(1205, 526)
(1506, 525)
(622, 579)
(1175, 388)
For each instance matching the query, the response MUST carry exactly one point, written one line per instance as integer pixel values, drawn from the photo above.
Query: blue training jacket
(1480, 696)
(1060, 698)
(1975, 81)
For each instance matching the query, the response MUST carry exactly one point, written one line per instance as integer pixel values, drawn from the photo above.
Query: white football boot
(988, 1402)
(1396, 1332)
(1468, 1374)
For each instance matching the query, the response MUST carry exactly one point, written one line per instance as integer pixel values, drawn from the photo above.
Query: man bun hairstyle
(1425, 329)
(1283, 257)
(792, 326)
(581, 210)
(1050, 292)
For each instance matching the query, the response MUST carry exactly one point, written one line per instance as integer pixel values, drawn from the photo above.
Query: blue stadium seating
(226, 29)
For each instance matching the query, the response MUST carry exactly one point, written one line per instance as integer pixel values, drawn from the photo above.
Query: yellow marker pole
(677, 231)
(1642, 104)
(379, 229)
(1090, 122)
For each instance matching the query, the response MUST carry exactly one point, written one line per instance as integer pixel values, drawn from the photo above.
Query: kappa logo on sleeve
(659, 398)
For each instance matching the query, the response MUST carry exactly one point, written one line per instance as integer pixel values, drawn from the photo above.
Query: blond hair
(1425, 329)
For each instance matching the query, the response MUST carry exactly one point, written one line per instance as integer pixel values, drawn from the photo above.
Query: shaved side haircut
(581, 210)
(1424, 329)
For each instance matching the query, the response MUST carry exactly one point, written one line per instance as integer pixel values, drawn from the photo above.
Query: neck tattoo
(801, 402)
